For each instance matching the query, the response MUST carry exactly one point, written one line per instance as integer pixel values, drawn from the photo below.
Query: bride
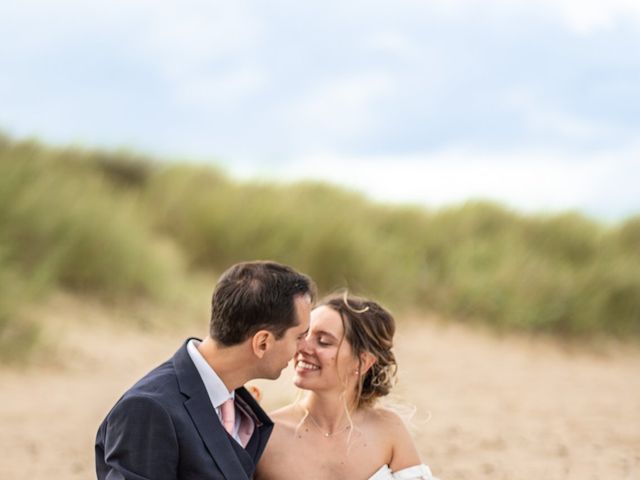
(336, 431)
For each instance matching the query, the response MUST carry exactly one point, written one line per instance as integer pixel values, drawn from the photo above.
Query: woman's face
(324, 361)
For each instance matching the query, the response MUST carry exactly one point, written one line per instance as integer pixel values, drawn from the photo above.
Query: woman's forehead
(326, 319)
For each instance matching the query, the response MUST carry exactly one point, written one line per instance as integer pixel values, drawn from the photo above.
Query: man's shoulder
(159, 385)
(161, 378)
(156, 395)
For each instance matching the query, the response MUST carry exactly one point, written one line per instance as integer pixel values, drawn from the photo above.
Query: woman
(336, 431)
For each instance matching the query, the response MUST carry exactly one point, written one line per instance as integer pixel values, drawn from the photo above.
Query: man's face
(286, 347)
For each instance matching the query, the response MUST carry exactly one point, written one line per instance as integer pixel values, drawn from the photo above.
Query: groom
(191, 418)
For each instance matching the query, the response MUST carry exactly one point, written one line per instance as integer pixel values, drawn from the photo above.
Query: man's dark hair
(252, 296)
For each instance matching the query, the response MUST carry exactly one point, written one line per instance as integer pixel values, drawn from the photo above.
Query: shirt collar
(216, 389)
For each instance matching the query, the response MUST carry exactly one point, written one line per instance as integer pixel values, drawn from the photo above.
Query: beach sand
(487, 407)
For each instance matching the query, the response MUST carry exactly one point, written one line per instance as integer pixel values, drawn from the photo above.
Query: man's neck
(229, 363)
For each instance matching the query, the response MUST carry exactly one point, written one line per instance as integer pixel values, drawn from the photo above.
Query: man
(191, 418)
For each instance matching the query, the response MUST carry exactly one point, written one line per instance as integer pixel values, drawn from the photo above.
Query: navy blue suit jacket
(165, 427)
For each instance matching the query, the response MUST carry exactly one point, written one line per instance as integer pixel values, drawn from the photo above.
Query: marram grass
(91, 222)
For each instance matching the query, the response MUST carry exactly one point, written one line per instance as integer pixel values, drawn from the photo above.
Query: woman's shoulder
(385, 418)
(384, 424)
(403, 449)
(285, 415)
(277, 454)
(282, 435)
(285, 420)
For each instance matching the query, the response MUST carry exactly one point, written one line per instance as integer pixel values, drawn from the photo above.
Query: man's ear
(262, 341)
(367, 359)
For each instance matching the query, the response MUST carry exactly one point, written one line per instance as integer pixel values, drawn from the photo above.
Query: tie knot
(228, 415)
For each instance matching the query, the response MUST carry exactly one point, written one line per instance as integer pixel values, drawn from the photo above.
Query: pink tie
(228, 414)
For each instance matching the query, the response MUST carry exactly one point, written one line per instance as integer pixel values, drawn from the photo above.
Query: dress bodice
(417, 472)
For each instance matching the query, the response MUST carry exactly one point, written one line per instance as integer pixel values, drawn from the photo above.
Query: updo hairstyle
(368, 328)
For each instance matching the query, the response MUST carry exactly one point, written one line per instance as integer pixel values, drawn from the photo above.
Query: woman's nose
(303, 345)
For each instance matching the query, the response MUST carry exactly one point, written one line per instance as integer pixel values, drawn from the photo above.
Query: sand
(486, 407)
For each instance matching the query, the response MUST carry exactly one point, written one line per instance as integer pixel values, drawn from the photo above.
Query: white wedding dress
(417, 472)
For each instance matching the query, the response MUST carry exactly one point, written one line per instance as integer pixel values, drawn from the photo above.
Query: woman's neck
(330, 412)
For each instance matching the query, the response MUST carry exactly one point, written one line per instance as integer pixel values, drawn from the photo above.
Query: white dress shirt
(216, 389)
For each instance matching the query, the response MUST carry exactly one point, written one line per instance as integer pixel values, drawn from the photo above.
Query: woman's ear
(261, 342)
(367, 359)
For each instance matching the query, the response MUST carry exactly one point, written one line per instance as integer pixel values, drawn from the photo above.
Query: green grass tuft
(97, 223)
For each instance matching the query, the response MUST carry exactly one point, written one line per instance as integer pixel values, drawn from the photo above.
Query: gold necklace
(326, 434)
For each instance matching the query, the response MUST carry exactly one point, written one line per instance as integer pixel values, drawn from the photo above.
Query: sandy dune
(487, 408)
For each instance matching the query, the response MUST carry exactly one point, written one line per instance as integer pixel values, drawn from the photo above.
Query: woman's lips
(304, 366)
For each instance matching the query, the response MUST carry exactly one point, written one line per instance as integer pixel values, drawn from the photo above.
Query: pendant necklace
(326, 434)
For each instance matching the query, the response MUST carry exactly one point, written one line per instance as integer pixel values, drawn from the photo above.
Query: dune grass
(94, 221)
(563, 274)
(62, 225)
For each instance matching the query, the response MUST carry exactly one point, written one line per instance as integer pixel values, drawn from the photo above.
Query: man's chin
(276, 375)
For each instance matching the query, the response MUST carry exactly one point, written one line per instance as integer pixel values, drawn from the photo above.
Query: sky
(532, 103)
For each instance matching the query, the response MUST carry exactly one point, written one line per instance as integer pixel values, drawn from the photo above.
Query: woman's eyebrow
(324, 332)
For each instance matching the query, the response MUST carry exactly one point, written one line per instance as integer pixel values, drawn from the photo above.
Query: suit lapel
(216, 439)
(263, 426)
(205, 419)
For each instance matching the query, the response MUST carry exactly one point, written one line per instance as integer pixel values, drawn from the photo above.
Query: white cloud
(585, 16)
(343, 107)
(187, 36)
(580, 16)
(543, 118)
(392, 42)
(418, 77)
(211, 91)
(191, 44)
(203, 49)
(532, 181)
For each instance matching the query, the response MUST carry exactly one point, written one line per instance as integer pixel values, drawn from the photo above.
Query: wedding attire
(240, 426)
(168, 426)
(417, 472)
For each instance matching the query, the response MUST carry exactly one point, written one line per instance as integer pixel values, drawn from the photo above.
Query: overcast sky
(535, 103)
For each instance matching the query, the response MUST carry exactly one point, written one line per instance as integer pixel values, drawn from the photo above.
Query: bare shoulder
(287, 416)
(285, 422)
(278, 450)
(387, 419)
(404, 451)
